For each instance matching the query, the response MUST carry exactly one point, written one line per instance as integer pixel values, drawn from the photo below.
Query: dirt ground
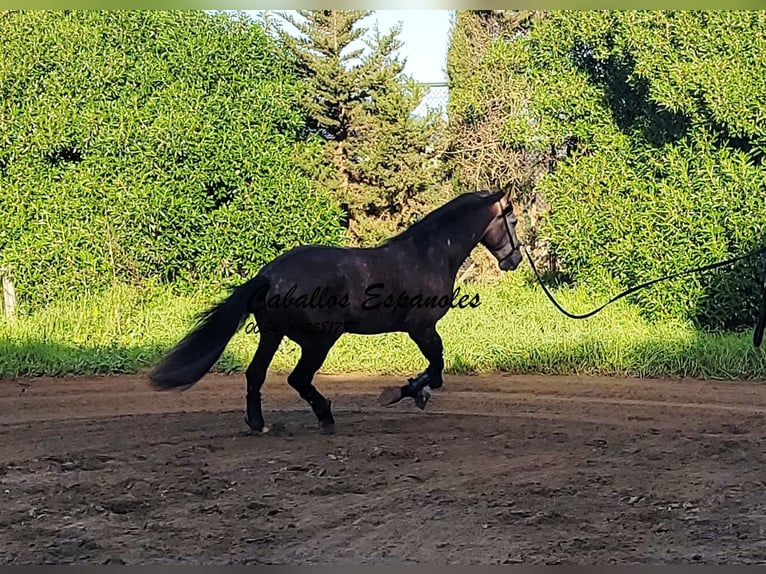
(501, 469)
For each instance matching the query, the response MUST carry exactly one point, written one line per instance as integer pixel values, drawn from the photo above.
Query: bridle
(511, 246)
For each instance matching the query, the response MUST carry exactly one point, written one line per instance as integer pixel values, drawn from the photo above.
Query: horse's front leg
(419, 388)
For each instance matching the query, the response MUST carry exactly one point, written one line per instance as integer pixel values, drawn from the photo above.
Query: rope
(759, 329)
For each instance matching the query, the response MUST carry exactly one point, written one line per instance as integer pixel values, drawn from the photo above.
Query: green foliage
(138, 146)
(487, 100)
(660, 119)
(377, 160)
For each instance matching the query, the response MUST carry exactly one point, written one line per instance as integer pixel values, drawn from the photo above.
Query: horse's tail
(198, 351)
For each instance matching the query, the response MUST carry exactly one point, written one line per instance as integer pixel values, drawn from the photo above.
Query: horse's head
(500, 235)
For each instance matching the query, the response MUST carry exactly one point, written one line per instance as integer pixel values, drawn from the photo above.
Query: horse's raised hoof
(421, 400)
(389, 396)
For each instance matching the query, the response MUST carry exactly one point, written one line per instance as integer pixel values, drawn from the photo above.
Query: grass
(515, 329)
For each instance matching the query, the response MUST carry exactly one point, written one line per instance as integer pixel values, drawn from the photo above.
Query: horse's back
(364, 289)
(305, 260)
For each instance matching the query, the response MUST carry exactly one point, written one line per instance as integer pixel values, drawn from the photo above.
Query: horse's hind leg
(312, 356)
(256, 375)
(430, 344)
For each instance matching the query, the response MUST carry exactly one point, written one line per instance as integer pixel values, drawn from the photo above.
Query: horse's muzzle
(511, 262)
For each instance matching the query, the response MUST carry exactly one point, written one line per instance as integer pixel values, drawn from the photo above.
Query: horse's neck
(455, 243)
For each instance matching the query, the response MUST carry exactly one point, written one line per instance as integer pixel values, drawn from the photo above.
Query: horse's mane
(446, 215)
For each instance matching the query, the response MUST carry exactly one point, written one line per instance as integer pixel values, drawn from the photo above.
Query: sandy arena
(498, 469)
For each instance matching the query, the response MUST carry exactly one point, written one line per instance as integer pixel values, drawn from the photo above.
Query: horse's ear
(495, 194)
(510, 207)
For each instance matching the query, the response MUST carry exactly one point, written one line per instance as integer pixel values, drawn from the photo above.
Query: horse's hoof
(421, 400)
(256, 428)
(327, 428)
(389, 396)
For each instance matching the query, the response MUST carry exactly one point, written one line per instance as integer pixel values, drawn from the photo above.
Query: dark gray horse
(314, 294)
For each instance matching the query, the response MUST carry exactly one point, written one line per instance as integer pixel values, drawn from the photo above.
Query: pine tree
(379, 161)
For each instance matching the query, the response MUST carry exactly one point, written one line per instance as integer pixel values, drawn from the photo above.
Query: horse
(315, 293)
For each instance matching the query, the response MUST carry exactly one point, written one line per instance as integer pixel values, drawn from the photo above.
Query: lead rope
(759, 328)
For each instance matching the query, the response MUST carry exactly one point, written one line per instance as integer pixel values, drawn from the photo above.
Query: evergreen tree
(378, 160)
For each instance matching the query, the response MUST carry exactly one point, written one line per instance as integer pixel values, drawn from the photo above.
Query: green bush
(148, 147)
(660, 116)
